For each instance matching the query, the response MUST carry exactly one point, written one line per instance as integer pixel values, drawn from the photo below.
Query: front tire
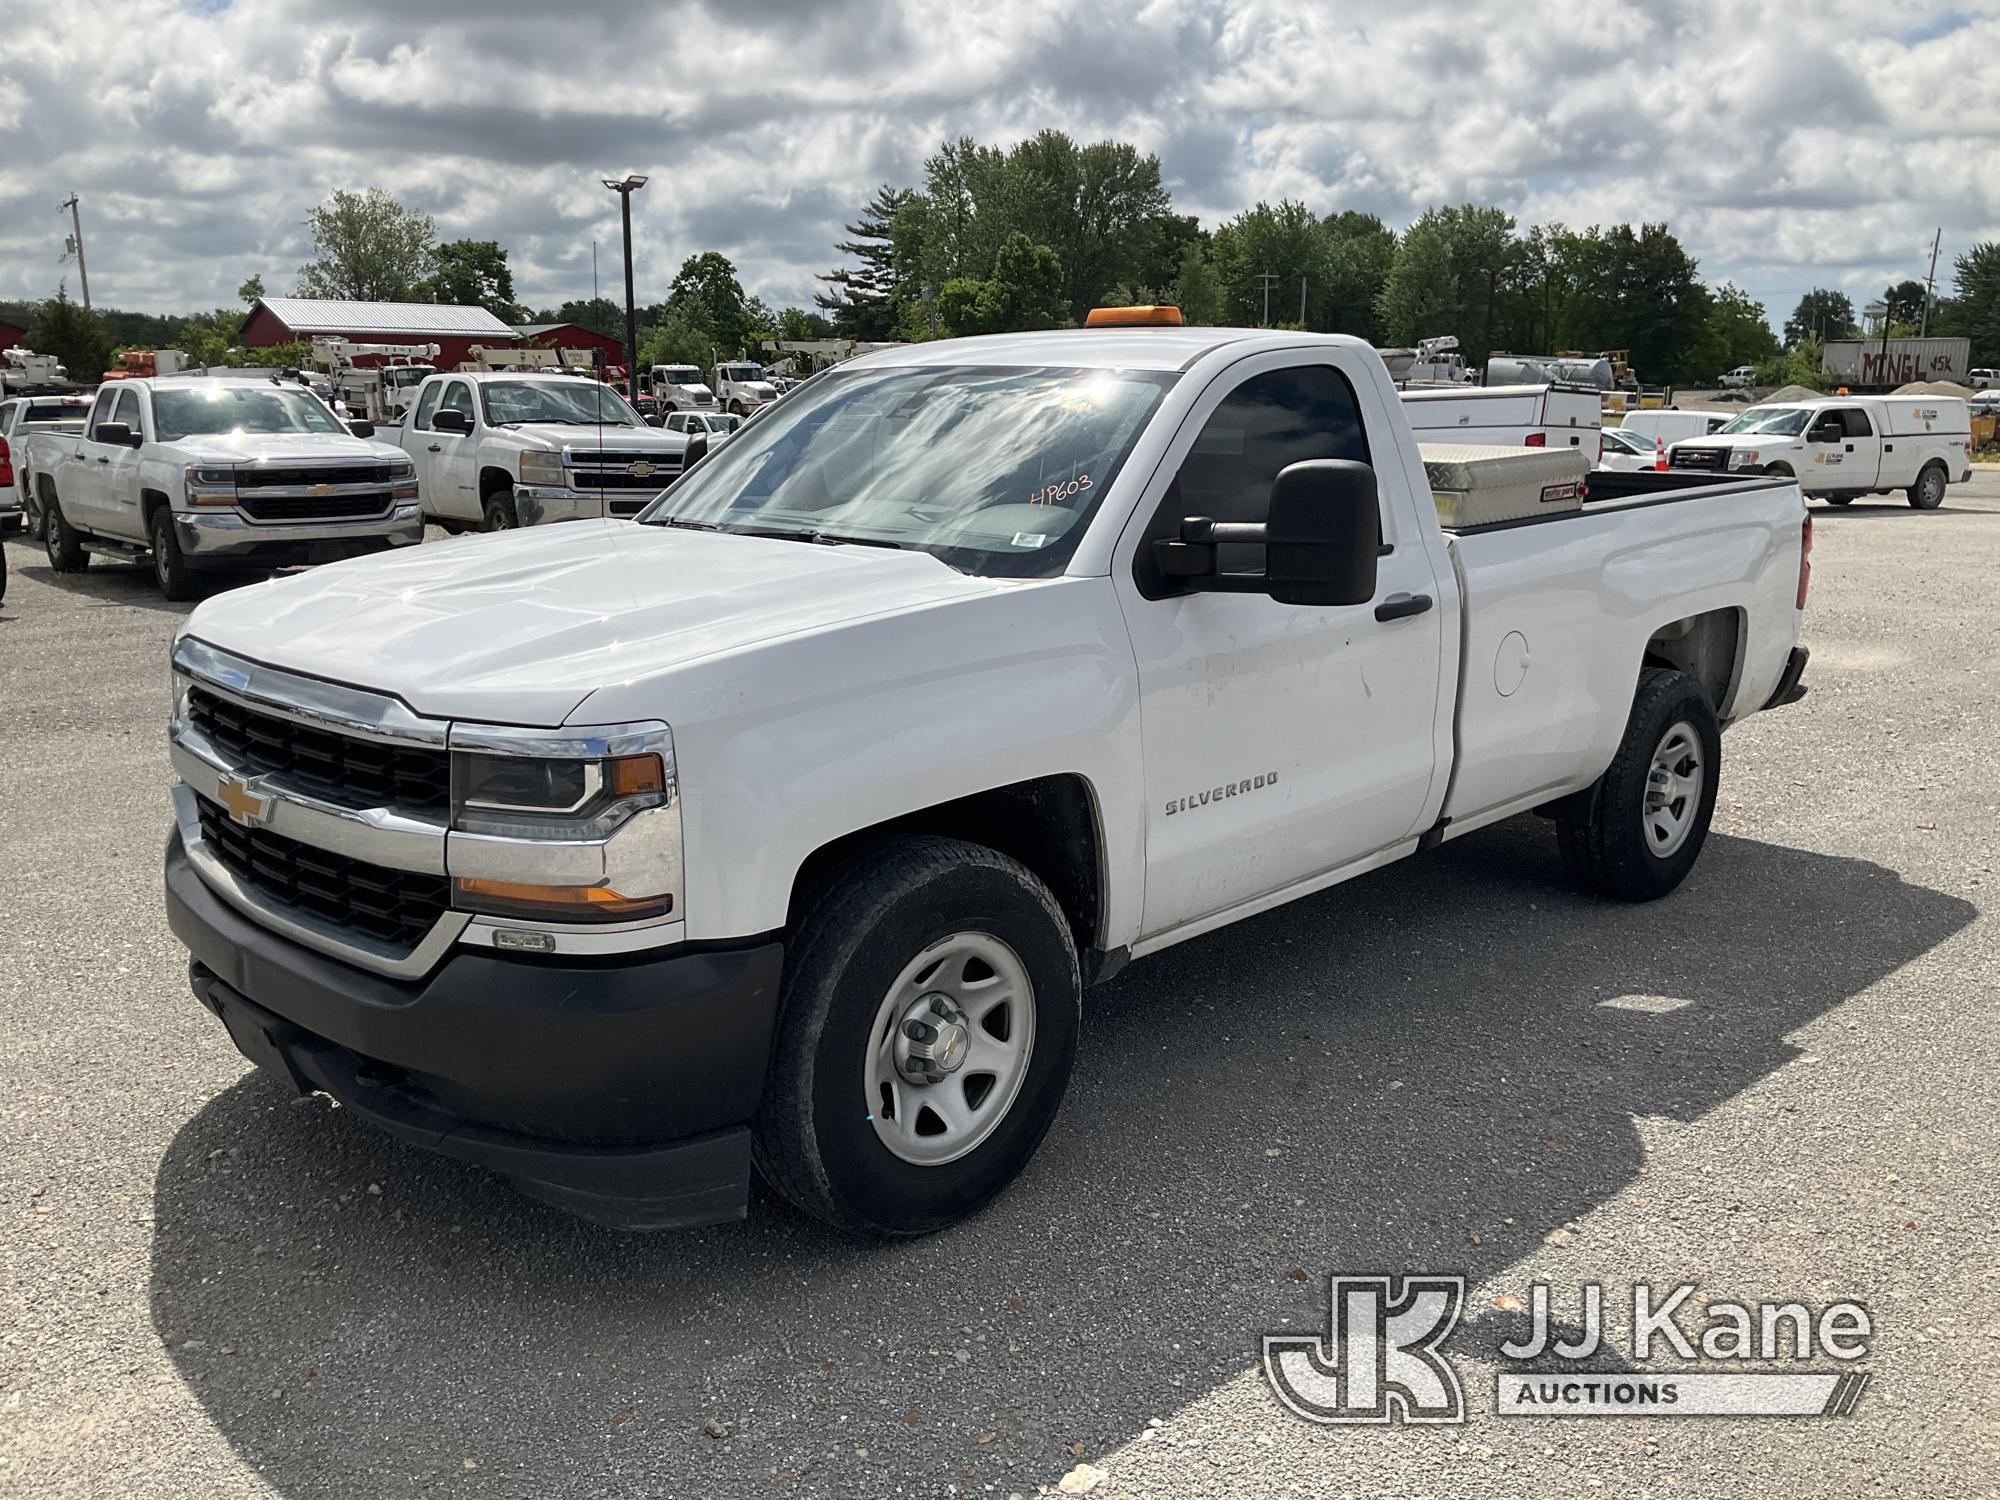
(926, 1031)
(1636, 834)
(37, 526)
(499, 514)
(60, 540)
(1928, 492)
(170, 569)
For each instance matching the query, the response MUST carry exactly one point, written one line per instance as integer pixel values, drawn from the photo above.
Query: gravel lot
(207, 1289)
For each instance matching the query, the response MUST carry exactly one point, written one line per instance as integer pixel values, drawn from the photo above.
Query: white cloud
(1787, 146)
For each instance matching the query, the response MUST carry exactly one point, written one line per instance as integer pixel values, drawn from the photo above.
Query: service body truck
(789, 824)
(1534, 416)
(1843, 447)
(497, 450)
(205, 476)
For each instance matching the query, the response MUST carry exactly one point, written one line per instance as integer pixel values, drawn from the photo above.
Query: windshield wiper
(684, 523)
(807, 534)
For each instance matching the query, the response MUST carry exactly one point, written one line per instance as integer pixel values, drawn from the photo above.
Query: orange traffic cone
(1659, 453)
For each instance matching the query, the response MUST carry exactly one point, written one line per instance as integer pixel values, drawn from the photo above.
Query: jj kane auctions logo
(1381, 1360)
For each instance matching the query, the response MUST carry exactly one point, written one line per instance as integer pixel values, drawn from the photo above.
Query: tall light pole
(625, 190)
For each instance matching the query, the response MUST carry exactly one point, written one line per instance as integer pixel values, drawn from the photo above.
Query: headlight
(210, 486)
(1742, 458)
(598, 805)
(542, 468)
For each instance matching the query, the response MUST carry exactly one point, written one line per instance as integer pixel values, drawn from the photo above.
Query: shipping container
(1872, 365)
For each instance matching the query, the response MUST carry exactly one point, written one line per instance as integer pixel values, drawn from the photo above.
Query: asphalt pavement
(1779, 1083)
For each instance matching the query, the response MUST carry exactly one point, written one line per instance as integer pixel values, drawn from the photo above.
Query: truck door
(117, 496)
(447, 462)
(1863, 466)
(1280, 741)
(85, 465)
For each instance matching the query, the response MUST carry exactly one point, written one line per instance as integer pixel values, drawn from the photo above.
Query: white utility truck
(212, 475)
(498, 450)
(742, 388)
(1840, 448)
(789, 824)
(1534, 416)
(680, 388)
(380, 392)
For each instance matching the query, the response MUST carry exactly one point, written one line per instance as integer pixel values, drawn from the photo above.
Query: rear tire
(1928, 492)
(844, 1131)
(1838, 499)
(37, 527)
(170, 569)
(1636, 834)
(60, 540)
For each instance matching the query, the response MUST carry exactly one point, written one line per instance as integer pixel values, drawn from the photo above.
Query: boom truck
(378, 392)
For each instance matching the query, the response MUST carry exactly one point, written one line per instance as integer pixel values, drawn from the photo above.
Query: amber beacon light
(1133, 317)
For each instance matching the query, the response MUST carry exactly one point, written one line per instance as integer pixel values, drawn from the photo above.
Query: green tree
(1821, 314)
(1974, 308)
(1638, 290)
(707, 293)
(251, 289)
(1737, 332)
(866, 299)
(675, 340)
(212, 338)
(598, 314)
(797, 323)
(1025, 292)
(1905, 301)
(75, 337)
(369, 249)
(1197, 287)
(473, 273)
(1448, 276)
(1284, 243)
(1360, 248)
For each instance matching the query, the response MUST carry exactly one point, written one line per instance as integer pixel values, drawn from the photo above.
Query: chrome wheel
(949, 1048)
(1673, 790)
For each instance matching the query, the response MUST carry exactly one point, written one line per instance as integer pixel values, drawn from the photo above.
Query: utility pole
(1302, 302)
(1267, 277)
(1924, 326)
(76, 244)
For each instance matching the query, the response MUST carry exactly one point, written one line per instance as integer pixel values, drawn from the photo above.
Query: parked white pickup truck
(23, 420)
(789, 824)
(209, 475)
(496, 451)
(1843, 447)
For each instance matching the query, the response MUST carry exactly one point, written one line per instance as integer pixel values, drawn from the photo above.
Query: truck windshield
(232, 408)
(571, 399)
(739, 372)
(994, 470)
(679, 375)
(1779, 421)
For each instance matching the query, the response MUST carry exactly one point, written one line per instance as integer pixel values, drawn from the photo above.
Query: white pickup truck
(210, 475)
(789, 824)
(25, 420)
(498, 450)
(1843, 447)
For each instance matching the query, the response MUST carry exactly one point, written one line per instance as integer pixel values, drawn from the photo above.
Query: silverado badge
(242, 804)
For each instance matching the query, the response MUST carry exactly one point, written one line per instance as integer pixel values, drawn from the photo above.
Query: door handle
(102, 459)
(1402, 606)
(1850, 447)
(434, 448)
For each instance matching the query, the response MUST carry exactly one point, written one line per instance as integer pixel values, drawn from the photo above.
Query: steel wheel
(1673, 790)
(949, 1049)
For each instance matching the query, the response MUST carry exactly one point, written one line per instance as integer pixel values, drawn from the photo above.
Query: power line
(1267, 277)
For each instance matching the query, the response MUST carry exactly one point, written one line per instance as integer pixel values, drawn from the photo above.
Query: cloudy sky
(1788, 144)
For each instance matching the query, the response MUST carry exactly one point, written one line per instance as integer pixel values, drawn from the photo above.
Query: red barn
(285, 320)
(12, 335)
(573, 336)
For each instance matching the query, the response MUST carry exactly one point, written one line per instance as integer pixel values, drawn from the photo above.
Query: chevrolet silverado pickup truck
(23, 420)
(787, 826)
(1843, 447)
(499, 450)
(209, 475)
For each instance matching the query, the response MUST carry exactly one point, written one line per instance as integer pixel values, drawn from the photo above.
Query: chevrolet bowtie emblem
(319, 489)
(640, 470)
(242, 804)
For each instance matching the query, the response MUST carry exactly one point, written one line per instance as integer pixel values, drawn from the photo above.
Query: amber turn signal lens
(636, 775)
(575, 903)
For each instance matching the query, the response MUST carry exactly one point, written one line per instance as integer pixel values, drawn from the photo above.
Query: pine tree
(864, 302)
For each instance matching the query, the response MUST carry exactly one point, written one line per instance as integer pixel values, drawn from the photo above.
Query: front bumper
(619, 1089)
(227, 536)
(540, 505)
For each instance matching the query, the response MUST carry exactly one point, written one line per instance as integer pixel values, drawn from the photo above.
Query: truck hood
(521, 627)
(626, 439)
(254, 447)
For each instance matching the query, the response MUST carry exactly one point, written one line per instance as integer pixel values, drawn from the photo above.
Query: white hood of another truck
(521, 627)
(281, 447)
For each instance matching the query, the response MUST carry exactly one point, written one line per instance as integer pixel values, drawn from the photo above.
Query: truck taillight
(6, 463)
(1537, 440)
(1805, 562)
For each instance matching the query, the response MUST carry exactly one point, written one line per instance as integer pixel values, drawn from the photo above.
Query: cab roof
(1157, 348)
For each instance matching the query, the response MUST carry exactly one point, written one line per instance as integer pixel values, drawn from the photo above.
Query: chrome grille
(313, 507)
(337, 768)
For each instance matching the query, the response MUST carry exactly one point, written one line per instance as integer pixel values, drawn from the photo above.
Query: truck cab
(1843, 447)
(680, 388)
(741, 387)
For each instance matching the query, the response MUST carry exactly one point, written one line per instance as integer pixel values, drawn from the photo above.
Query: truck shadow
(1362, 1081)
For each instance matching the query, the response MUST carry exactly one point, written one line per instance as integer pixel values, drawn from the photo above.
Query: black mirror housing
(1324, 533)
(451, 421)
(118, 434)
(361, 427)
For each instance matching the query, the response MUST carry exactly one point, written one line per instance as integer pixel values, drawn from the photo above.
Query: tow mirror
(1321, 540)
(1827, 432)
(361, 427)
(451, 421)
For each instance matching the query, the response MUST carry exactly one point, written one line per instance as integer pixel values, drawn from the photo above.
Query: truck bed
(1559, 608)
